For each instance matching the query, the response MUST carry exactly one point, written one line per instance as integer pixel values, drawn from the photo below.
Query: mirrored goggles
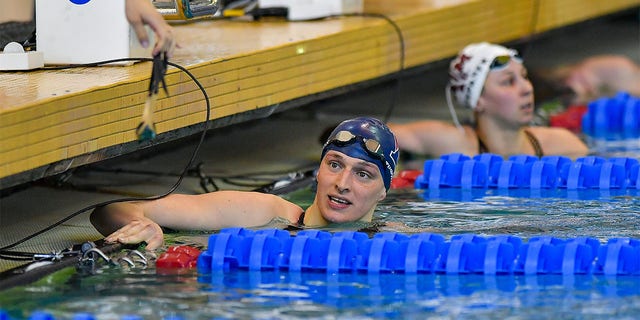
(500, 62)
(344, 138)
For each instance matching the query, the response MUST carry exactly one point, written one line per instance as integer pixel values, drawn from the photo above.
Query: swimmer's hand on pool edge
(126, 222)
(140, 230)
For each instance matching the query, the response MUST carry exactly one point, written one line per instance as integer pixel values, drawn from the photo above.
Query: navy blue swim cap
(368, 139)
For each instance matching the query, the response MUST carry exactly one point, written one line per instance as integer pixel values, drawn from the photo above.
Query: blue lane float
(349, 253)
(529, 172)
(616, 117)
(423, 253)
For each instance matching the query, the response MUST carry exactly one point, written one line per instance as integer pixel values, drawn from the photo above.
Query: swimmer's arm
(125, 223)
(132, 222)
(429, 137)
(220, 209)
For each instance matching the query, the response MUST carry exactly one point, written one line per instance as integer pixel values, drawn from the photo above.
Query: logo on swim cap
(367, 139)
(469, 70)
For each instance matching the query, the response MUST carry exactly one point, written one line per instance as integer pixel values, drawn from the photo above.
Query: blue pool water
(117, 292)
(272, 295)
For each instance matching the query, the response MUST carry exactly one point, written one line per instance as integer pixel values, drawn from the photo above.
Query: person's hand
(137, 231)
(141, 12)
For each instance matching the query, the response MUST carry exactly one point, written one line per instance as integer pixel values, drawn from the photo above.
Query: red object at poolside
(178, 257)
(570, 118)
(405, 179)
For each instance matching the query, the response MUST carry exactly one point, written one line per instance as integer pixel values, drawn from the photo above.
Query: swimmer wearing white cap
(492, 81)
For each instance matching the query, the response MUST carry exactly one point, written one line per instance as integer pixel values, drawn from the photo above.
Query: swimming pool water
(602, 214)
(273, 295)
(116, 292)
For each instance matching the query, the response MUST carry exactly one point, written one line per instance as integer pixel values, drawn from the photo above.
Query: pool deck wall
(51, 121)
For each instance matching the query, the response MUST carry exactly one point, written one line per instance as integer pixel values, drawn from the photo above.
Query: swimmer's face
(348, 188)
(508, 95)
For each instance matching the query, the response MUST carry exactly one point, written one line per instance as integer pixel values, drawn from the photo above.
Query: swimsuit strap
(300, 222)
(534, 143)
(482, 148)
(372, 229)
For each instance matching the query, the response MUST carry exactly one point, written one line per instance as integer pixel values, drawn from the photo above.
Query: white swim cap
(469, 70)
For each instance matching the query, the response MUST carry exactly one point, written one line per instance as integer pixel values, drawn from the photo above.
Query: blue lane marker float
(352, 252)
(528, 172)
(616, 117)
(388, 252)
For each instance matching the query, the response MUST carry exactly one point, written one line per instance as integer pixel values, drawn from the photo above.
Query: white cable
(452, 110)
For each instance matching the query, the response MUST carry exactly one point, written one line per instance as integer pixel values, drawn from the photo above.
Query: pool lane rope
(613, 118)
(389, 252)
(616, 117)
(489, 170)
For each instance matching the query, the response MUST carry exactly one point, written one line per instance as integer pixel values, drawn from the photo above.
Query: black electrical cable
(398, 78)
(9, 254)
(398, 31)
(17, 255)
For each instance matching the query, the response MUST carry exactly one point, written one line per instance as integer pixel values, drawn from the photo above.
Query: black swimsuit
(301, 219)
(482, 148)
(370, 230)
(299, 225)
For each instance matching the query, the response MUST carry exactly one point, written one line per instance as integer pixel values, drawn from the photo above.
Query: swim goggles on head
(344, 138)
(500, 62)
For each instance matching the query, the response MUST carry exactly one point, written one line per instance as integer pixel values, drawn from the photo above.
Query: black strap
(482, 148)
(299, 224)
(301, 219)
(534, 143)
